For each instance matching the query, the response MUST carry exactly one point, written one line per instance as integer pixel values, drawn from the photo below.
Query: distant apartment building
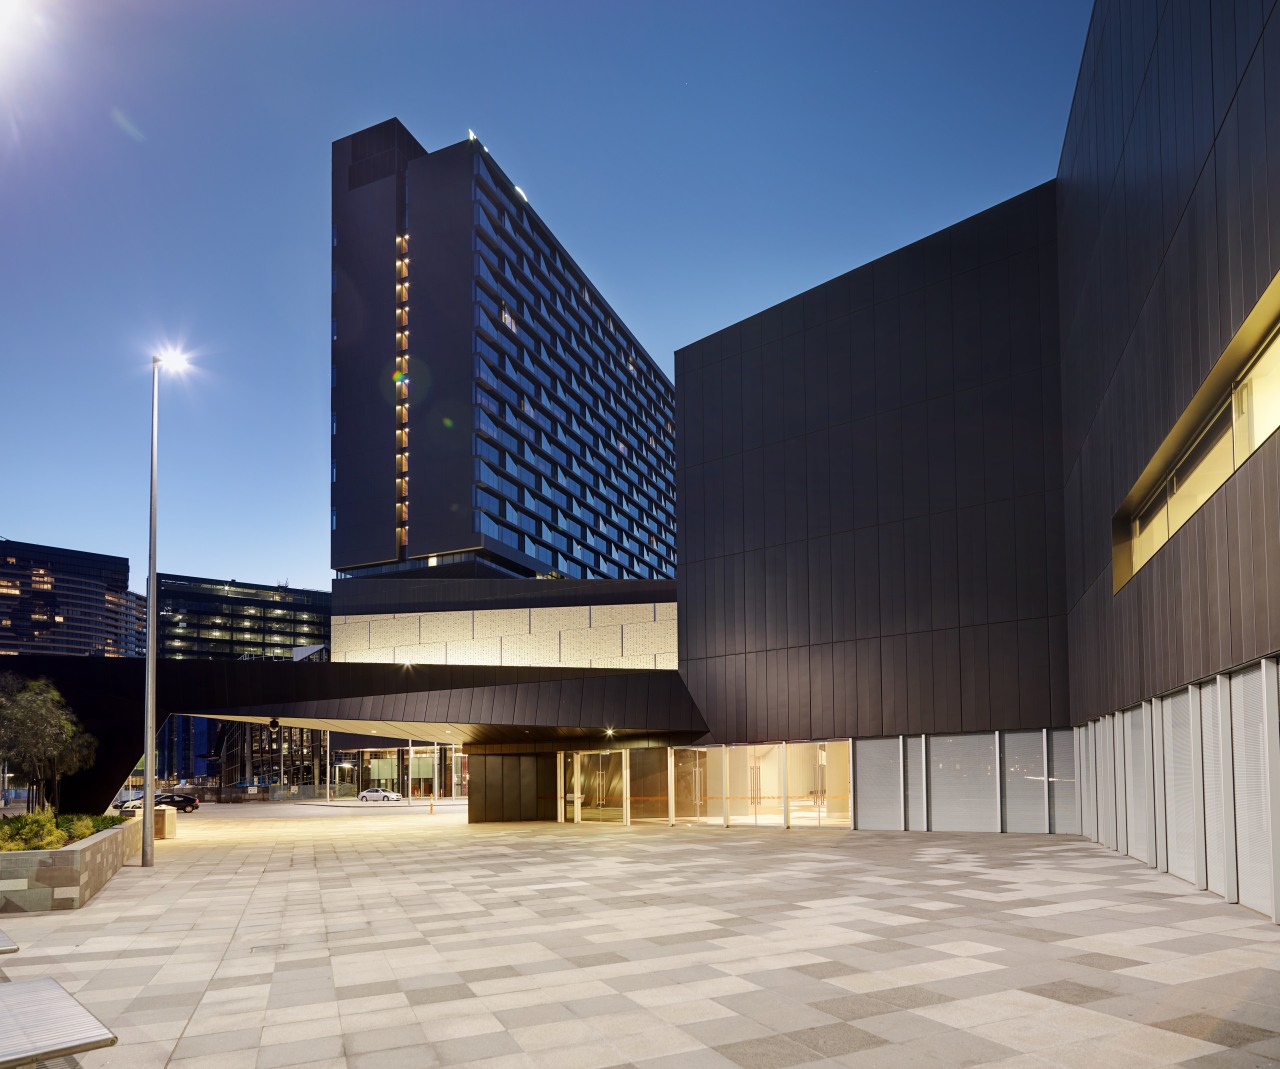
(55, 600)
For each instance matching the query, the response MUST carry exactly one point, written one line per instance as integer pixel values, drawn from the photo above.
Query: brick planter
(34, 881)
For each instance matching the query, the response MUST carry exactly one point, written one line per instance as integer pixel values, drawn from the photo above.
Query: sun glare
(23, 27)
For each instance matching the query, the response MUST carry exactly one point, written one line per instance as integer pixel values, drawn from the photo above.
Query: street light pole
(176, 359)
(153, 597)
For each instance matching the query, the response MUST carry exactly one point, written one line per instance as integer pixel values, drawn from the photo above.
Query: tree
(41, 737)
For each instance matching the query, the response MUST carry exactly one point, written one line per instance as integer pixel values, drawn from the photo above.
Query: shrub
(31, 831)
(42, 831)
(80, 826)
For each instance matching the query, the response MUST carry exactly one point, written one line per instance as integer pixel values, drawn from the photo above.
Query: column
(999, 785)
(671, 787)
(1044, 751)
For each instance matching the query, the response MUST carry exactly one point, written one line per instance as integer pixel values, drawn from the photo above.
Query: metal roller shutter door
(1178, 807)
(1135, 775)
(1104, 766)
(915, 784)
(1022, 783)
(1064, 816)
(879, 784)
(962, 783)
(1088, 796)
(1211, 727)
(1253, 830)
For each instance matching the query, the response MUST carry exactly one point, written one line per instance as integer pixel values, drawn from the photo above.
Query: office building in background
(217, 619)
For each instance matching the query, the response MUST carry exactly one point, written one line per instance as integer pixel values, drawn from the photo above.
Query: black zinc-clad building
(870, 496)
(492, 414)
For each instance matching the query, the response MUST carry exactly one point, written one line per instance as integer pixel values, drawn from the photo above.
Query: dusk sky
(164, 177)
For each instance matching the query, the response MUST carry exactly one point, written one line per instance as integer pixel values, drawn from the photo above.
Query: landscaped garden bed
(39, 873)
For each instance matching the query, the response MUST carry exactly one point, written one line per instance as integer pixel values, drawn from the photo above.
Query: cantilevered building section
(492, 415)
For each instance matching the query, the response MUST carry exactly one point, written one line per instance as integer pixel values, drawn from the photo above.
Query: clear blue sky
(164, 174)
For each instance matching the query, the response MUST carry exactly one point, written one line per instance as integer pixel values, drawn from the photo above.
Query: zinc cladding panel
(1253, 832)
(1064, 817)
(915, 785)
(962, 783)
(1136, 792)
(1211, 726)
(878, 784)
(1179, 830)
(1023, 782)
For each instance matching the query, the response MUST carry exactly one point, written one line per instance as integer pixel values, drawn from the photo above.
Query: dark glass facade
(214, 619)
(67, 601)
(488, 404)
(211, 619)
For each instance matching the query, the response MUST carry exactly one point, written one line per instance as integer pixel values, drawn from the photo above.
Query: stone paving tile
(298, 936)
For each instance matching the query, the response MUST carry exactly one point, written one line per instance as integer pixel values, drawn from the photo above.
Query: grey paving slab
(339, 939)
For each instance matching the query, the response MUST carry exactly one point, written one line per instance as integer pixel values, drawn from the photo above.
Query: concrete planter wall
(33, 881)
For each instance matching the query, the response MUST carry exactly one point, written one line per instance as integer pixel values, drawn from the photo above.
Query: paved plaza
(276, 935)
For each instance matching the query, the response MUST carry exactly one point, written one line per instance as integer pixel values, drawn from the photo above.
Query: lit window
(1244, 417)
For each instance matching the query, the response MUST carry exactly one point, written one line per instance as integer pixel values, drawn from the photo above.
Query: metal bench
(40, 1020)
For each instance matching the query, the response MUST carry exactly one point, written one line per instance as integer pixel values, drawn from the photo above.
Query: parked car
(377, 794)
(188, 803)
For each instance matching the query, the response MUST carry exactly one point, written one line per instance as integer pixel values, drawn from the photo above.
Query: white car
(377, 794)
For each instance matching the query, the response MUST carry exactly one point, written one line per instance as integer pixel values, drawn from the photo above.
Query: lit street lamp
(175, 360)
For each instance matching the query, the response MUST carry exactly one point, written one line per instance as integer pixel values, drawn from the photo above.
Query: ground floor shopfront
(1020, 781)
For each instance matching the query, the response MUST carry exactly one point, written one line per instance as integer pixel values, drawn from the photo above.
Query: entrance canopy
(478, 704)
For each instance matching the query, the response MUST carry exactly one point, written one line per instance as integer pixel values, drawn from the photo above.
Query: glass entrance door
(699, 785)
(818, 783)
(601, 786)
(755, 784)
